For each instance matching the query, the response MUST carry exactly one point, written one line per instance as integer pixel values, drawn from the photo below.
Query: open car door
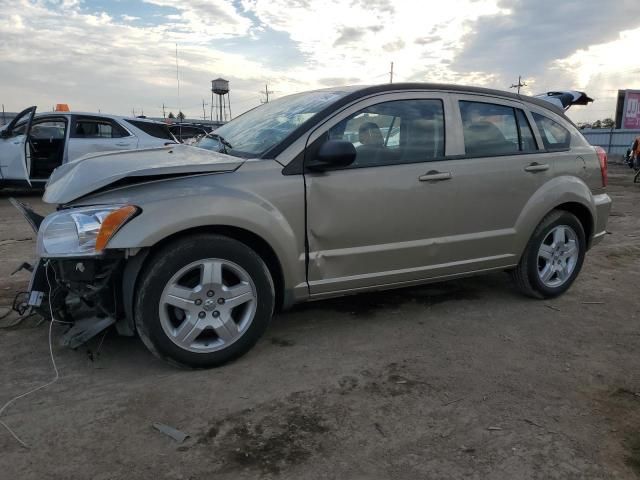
(16, 151)
(565, 99)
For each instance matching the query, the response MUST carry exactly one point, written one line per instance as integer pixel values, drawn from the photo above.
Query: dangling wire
(53, 363)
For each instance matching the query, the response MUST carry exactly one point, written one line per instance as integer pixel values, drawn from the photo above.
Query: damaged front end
(75, 281)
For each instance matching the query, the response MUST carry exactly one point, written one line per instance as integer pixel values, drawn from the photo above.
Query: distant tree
(180, 116)
(171, 115)
(596, 124)
(608, 123)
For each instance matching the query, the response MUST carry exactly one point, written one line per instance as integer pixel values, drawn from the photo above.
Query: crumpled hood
(90, 173)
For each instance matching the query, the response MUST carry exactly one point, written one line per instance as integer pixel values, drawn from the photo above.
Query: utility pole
(519, 85)
(391, 74)
(163, 112)
(4, 118)
(267, 92)
(133, 112)
(204, 112)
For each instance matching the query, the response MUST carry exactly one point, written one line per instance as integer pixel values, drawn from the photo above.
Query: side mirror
(333, 153)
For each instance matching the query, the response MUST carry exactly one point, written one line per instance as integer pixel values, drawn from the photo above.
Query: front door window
(392, 133)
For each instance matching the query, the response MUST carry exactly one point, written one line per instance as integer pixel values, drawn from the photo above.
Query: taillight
(602, 156)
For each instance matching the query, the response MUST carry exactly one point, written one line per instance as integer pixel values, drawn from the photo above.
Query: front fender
(256, 198)
(555, 192)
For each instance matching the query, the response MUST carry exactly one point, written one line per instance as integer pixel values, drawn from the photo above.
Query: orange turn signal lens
(112, 223)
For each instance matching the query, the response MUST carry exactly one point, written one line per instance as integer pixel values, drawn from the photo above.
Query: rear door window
(489, 129)
(86, 127)
(554, 136)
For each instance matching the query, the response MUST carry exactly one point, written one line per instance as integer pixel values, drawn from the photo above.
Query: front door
(15, 154)
(370, 223)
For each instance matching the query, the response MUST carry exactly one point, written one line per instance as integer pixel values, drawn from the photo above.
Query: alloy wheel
(558, 256)
(208, 305)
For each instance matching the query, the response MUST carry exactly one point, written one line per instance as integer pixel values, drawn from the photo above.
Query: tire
(174, 302)
(527, 276)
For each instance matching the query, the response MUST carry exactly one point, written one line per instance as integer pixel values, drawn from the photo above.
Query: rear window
(554, 136)
(157, 130)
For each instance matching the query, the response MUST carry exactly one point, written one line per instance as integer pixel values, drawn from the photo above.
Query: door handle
(122, 144)
(537, 167)
(435, 176)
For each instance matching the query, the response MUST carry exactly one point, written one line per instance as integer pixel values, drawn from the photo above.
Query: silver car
(311, 196)
(33, 145)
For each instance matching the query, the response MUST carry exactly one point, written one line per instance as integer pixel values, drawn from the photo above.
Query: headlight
(81, 232)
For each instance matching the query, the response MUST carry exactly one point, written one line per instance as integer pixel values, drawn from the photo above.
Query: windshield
(258, 130)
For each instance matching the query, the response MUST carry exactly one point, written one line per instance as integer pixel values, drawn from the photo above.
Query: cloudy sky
(119, 55)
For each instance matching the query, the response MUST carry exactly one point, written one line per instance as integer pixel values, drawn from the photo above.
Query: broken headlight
(81, 232)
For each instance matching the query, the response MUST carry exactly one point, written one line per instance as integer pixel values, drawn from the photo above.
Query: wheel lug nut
(201, 315)
(216, 313)
(198, 302)
(210, 293)
(221, 301)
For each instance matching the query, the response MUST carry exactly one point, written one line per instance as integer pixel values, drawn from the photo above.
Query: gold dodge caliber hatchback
(315, 195)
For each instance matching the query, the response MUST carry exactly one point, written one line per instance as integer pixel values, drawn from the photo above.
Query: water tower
(220, 100)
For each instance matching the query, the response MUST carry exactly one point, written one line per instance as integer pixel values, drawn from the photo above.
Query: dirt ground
(459, 379)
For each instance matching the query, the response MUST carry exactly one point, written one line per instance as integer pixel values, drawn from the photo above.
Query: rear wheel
(203, 301)
(553, 257)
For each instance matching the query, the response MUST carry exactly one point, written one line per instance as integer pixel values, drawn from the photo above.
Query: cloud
(208, 18)
(118, 58)
(525, 37)
(394, 46)
(349, 35)
(338, 81)
(539, 41)
(92, 61)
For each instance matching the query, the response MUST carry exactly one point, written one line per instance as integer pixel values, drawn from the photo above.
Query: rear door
(92, 134)
(501, 168)
(15, 154)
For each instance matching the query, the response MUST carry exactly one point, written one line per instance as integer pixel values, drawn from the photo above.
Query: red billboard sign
(631, 112)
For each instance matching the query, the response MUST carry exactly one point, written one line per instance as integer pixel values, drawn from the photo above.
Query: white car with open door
(32, 146)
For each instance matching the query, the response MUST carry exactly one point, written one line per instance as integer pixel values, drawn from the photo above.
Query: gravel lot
(459, 379)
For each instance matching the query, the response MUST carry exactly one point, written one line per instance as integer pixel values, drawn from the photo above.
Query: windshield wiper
(221, 139)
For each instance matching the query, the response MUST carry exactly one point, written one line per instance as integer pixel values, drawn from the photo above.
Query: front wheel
(553, 257)
(203, 301)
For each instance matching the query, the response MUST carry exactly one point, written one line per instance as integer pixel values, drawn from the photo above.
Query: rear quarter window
(554, 136)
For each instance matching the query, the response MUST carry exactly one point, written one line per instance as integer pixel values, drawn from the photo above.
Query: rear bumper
(602, 204)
